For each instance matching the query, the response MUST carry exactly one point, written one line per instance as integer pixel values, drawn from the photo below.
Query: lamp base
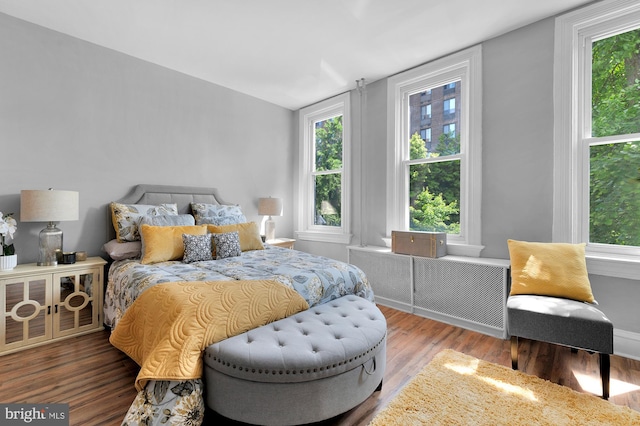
(270, 229)
(50, 245)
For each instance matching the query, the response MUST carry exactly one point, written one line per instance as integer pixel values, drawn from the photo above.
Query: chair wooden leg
(605, 374)
(514, 352)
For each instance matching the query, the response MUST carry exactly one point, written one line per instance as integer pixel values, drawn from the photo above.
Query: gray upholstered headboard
(183, 196)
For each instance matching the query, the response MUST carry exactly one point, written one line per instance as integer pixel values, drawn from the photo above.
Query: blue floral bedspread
(318, 279)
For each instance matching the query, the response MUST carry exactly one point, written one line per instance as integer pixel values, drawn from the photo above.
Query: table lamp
(270, 207)
(49, 206)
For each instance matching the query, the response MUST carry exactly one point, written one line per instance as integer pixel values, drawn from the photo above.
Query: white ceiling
(288, 52)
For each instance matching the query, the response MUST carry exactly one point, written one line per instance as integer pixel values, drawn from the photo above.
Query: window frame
(306, 227)
(574, 34)
(465, 66)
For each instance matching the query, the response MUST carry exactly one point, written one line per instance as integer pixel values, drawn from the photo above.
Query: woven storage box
(426, 244)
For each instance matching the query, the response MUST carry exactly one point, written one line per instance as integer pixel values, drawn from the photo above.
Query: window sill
(457, 249)
(614, 266)
(467, 250)
(323, 237)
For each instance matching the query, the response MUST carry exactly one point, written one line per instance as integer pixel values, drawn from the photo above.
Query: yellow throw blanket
(168, 327)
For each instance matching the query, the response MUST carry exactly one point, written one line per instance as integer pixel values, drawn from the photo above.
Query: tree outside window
(328, 172)
(434, 171)
(614, 165)
(434, 187)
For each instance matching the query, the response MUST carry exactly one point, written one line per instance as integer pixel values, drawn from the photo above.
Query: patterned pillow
(125, 218)
(227, 245)
(232, 219)
(197, 248)
(168, 220)
(201, 210)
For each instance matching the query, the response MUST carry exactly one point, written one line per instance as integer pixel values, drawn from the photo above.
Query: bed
(141, 262)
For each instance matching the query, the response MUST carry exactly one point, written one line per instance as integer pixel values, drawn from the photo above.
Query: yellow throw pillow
(162, 243)
(549, 269)
(249, 234)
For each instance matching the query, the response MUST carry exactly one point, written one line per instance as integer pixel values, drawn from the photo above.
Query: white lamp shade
(270, 206)
(48, 205)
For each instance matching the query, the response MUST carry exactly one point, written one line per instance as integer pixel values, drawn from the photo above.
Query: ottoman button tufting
(338, 356)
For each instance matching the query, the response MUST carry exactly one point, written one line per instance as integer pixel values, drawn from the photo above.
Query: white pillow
(120, 251)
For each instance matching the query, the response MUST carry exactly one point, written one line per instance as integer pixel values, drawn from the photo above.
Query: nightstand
(40, 304)
(282, 242)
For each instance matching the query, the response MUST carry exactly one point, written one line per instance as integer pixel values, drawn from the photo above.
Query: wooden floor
(96, 380)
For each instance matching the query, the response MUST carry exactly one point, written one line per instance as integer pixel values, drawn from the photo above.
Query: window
(614, 160)
(425, 112)
(324, 177)
(437, 186)
(449, 87)
(449, 106)
(597, 135)
(425, 134)
(449, 130)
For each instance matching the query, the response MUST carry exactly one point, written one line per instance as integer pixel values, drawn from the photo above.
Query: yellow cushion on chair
(550, 269)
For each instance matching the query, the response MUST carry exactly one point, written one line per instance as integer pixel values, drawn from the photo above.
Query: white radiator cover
(390, 276)
(463, 291)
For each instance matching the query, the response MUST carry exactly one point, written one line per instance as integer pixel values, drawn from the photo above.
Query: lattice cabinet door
(76, 298)
(26, 311)
(468, 294)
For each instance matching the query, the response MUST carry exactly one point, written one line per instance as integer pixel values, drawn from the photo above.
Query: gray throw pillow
(227, 244)
(197, 248)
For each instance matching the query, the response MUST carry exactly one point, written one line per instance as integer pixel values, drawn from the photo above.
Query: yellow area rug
(457, 389)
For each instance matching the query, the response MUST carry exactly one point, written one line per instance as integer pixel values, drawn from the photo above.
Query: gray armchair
(579, 325)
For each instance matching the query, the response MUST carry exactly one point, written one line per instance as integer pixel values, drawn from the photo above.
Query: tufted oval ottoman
(308, 367)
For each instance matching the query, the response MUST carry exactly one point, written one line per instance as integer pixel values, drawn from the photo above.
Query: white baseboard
(626, 344)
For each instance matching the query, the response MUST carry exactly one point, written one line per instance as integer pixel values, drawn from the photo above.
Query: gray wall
(80, 117)
(517, 139)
